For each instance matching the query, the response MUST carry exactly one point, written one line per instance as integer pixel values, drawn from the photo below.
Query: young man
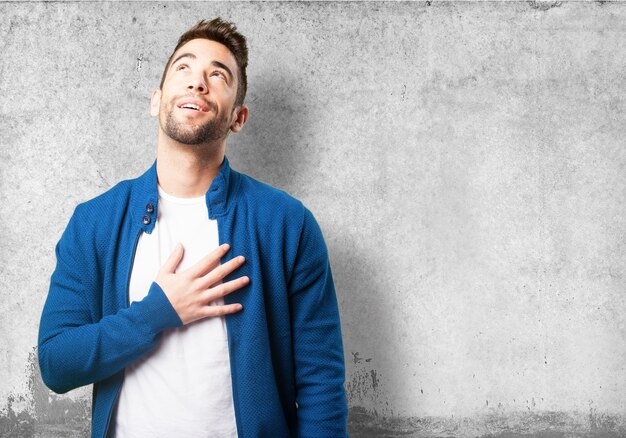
(198, 301)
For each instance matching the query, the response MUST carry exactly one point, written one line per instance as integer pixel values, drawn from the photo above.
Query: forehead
(207, 51)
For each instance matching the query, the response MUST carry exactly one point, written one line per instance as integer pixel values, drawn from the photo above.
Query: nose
(198, 85)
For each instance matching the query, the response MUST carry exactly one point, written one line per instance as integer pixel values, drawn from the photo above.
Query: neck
(186, 171)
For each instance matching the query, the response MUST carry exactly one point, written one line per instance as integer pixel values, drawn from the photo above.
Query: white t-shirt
(182, 388)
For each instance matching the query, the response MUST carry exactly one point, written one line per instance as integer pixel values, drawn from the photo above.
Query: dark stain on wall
(16, 424)
(371, 415)
(365, 424)
(57, 415)
(364, 386)
(42, 413)
(544, 5)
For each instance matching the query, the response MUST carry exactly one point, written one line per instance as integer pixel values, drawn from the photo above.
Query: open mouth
(192, 104)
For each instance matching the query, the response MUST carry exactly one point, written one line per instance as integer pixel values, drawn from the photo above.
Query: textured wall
(466, 162)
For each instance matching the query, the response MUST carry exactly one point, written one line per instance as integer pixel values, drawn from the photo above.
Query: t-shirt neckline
(175, 199)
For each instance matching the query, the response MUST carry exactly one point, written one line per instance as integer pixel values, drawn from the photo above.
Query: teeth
(191, 106)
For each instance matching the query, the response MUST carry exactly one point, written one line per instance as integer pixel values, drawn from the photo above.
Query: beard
(195, 134)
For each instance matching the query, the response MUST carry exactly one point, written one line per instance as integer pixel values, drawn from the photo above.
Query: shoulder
(118, 194)
(107, 205)
(276, 210)
(286, 219)
(104, 214)
(276, 207)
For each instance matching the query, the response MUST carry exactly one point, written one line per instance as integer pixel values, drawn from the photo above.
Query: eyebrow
(213, 63)
(189, 55)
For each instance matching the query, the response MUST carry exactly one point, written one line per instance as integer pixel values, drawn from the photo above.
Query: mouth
(191, 104)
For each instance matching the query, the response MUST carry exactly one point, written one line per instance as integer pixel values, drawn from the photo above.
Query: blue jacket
(285, 345)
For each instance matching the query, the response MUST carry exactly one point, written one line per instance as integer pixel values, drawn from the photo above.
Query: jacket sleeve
(77, 346)
(319, 362)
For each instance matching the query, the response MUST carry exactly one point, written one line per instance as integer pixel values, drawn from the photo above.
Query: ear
(155, 102)
(240, 117)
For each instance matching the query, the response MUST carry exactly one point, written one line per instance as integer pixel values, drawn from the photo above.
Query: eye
(181, 67)
(219, 74)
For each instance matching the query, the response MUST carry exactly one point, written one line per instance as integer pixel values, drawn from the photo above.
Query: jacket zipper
(130, 271)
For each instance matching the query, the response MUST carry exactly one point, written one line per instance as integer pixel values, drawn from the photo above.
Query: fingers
(174, 259)
(208, 262)
(203, 308)
(221, 271)
(192, 290)
(224, 289)
(211, 311)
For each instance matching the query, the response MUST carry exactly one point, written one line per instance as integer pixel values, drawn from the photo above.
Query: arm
(76, 347)
(318, 351)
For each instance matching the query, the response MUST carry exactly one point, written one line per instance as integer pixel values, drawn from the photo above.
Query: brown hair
(225, 33)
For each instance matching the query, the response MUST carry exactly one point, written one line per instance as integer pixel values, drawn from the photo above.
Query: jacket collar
(145, 196)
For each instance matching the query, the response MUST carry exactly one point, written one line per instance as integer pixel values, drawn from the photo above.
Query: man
(198, 301)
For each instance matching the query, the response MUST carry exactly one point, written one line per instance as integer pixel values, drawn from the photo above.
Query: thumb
(173, 260)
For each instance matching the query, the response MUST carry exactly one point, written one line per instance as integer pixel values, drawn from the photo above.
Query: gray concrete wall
(466, 162)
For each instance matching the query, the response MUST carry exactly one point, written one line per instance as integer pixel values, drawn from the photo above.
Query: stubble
(195, 134)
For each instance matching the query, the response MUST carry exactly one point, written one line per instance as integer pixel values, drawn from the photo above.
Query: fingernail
(225, 246)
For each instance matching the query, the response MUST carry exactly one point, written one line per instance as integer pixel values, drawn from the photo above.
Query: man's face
(196, 103)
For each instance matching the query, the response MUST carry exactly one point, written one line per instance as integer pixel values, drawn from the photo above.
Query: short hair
(223, 32)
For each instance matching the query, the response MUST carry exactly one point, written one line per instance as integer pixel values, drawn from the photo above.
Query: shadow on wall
(282, 133)
(368, 401)
(275, 146)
